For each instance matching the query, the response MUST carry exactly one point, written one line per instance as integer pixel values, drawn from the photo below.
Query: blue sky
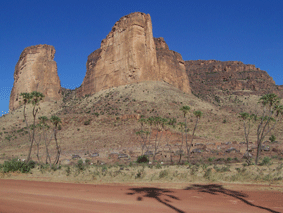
(250, 31)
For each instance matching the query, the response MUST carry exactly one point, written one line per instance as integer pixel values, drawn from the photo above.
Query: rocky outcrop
(36, 71)
(128, 55)
(228, 77)
(171, 66)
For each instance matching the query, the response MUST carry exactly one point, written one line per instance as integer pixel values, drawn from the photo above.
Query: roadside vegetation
(268, 171)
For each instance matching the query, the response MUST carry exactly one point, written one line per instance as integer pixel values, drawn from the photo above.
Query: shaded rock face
(128, 55)
(228, 77)
(36, 71)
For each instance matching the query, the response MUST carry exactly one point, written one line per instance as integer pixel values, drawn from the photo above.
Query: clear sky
(250, 31)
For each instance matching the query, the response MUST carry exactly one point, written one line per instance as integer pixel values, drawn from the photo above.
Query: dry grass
(154, 174)
(113, 130)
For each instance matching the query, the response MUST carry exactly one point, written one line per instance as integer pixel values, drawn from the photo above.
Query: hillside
(106, 123)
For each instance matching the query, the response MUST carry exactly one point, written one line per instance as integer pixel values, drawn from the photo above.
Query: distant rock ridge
(130, 54)
(228, 77)
(36, 70)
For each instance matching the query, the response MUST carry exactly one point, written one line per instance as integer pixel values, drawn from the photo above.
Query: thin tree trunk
(33, 131)
(181, 148)
(187, 145)
(57, 147)
(192, 139)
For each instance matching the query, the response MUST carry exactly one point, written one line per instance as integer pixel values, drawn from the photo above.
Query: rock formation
(228, 77)
(171, 66)
(128, 54)
(36, 71)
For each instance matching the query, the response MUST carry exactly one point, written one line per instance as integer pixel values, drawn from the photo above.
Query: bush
(16, 165)
(158, 166)
(207, 174)
(142, 159)
(265, 161)
(272, 138)
(87, 122)
(68, 171)
(80, 165)
(163, 174)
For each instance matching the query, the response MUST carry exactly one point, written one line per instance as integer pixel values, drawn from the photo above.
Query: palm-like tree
(247, 118)
(185, 110)
(182, 129)
(34, 98)
(55, 120)
(272, 111)
(45, 126)
(198, 115)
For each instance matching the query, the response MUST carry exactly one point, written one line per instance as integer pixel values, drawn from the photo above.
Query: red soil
(32, 196)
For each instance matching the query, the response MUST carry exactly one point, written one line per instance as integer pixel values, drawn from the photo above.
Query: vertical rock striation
(128, 55)
(171, 66)
(36, 71)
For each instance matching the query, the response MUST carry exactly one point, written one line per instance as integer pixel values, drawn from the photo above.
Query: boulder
(232, 149)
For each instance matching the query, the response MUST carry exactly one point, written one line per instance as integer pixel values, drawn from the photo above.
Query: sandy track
(17, 196)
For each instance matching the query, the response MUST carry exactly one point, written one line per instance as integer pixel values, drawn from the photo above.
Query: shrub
(265, 161)
(68, 171)
(207, 174)
(158, 166)
(163, 174)
(272, 138)
(87, 122)
(16, 165)
(80, 165)
(142, 159)
(87, 161)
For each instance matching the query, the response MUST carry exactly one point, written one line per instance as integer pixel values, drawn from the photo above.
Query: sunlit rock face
(127, 55)
(36, 70)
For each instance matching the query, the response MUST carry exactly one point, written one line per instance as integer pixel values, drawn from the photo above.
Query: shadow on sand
(155, 193)
(216, 189)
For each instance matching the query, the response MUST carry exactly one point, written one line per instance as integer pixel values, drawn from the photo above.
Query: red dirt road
(17, 196)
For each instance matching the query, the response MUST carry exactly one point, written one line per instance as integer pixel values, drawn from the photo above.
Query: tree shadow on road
(156, 193)
(216, 189)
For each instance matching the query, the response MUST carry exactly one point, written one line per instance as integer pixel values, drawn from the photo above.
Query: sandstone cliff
(128, 54)
(171, 66)
(36, 71)
(228, 77)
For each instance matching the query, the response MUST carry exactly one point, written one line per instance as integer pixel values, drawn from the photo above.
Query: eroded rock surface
(127, 55)
(171, 66)
(212, 77)
(36, 70)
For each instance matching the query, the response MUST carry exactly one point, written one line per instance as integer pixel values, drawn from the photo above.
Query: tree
(182, 129)
(198, 115)
(34, 98)
(247, 118)
(55, 121)
(45, 127)
(159, 124)
(271, 111)
(185, 110)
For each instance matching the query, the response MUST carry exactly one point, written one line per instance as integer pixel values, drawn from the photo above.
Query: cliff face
(36, 71)
(171, 66)
(127, 55)
(229, 77)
